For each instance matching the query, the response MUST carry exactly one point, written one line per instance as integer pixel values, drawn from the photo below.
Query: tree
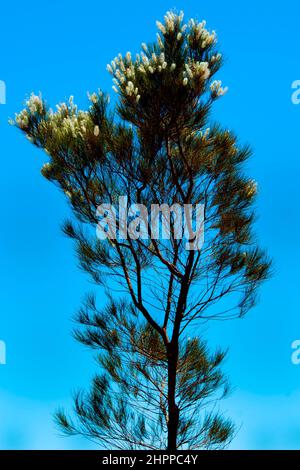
(155, 148)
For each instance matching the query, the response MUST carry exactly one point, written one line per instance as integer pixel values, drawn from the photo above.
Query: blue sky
(61, 49)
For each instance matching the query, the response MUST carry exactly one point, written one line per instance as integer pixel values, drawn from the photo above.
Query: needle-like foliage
(159, 381)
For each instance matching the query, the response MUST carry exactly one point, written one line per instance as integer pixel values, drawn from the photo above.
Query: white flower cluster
(196, 71)
(171, 21)
(201, 34)
(93, 98)
(216, 88)
(124, 70)
(34, 105)
(197, 31)
(75, 124)
(68, 121)
(22, 119)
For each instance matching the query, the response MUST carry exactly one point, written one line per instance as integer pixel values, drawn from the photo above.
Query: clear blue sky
(62, 48)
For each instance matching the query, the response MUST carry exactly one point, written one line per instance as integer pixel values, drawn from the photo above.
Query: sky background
(61, 48)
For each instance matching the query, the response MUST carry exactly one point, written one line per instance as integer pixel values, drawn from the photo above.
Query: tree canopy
(155, 144)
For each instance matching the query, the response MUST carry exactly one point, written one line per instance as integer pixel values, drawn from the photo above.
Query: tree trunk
(173, 410)
(173, 353)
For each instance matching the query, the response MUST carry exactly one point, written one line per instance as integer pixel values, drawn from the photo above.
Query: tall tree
(155, 148)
